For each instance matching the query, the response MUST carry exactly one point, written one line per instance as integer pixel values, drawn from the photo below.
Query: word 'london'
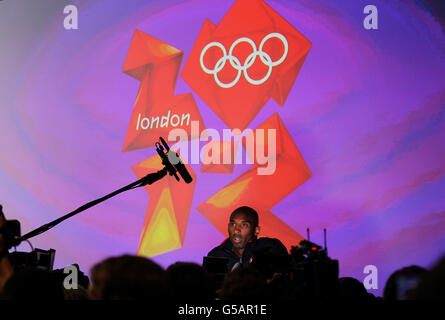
(146, 123)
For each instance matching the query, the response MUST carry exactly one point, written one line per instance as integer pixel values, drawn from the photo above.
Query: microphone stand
(148, 179)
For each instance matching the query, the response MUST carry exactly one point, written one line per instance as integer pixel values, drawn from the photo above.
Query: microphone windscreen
(183, 172)
(179, 166)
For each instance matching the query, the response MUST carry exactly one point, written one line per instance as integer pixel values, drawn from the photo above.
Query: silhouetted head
(351, 289)
(243, 283)
(402, 282)
(128, 278)
(432, 284)
(33, 284)
(189, 281)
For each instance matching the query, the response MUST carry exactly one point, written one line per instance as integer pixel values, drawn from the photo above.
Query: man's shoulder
(215, 251)
(267, 240)
(276, 245)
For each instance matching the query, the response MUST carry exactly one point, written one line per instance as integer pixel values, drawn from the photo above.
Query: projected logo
(248, 62)
(252, 55)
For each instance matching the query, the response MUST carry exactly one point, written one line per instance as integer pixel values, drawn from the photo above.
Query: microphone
(172, 162)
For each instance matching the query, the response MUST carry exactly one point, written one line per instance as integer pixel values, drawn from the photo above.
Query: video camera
(311, 269)
(37, 258)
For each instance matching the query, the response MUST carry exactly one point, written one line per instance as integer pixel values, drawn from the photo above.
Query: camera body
(313, 271)
(38, 258)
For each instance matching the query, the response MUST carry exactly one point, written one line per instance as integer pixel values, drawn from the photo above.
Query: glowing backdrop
(359, 116)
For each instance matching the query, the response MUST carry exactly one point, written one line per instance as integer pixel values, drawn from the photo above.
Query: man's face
(241, 230)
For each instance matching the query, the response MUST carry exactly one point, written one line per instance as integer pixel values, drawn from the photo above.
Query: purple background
(366, 112)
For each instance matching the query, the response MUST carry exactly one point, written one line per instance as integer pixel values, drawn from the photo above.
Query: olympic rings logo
(250, 60)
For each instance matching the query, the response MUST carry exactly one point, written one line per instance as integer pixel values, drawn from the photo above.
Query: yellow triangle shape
(162, 235)
(229, 194)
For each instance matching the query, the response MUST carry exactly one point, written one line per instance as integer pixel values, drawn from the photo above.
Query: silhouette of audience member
(82, 282)
(128, 278)
(432, 284)
(281, 288)
(189, 281)
(76, 294)
(33, 284)
(243, 283)
(352, 289)
(401, 282)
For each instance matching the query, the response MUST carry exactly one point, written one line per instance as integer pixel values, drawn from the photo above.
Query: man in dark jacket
(243, 245)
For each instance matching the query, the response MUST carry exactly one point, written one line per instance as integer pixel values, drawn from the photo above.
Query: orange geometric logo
(235, 67)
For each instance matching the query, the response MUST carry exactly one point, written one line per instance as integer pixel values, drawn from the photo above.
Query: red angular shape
(262, 192)
(181, 195)
(253, 54)
(157, 110)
